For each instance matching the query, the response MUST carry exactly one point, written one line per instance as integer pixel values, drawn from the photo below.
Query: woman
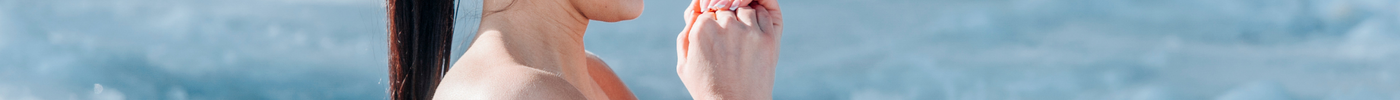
(533, 50)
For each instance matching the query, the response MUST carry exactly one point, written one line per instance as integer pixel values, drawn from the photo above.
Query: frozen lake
(832, 49)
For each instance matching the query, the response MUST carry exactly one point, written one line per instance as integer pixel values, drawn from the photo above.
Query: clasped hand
(729, 49)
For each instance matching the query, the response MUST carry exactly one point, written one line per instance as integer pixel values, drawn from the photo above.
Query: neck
(549, 45)
(546, 41)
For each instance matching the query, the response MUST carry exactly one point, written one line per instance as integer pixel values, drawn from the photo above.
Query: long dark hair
(420, 35)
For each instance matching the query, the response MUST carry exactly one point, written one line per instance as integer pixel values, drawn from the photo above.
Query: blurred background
(831, 50)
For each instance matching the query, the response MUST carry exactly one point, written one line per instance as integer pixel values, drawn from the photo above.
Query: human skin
(726, 54)
(533, 50)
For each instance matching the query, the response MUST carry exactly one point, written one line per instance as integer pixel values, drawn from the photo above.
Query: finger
(773, 10)
(682, 40)
(724, 17)
(715, 5)
(690, 12)
(734, 4)
(747, 16)
(741, 3)
(725, 5)
(766, 22)
(689, 15)
(704, 5)
(682, 44)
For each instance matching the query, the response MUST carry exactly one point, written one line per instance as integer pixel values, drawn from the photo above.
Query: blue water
(832, 49)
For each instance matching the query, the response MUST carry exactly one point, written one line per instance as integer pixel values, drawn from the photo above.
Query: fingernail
(714, 5)
(734, 5)
(721, 4)
(709, 4)
(733, 8)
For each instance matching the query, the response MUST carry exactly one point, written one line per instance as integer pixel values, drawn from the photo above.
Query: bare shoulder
(608, 81)
(477, 82)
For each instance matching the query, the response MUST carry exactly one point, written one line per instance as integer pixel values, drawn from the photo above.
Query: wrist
(704, 83)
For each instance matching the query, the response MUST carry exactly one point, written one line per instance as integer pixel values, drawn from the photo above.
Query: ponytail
(420, 35)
